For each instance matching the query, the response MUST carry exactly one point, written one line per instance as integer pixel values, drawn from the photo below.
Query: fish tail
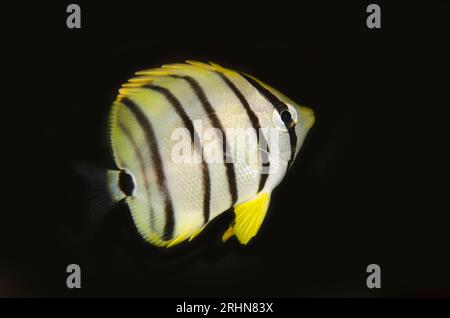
(105, 188)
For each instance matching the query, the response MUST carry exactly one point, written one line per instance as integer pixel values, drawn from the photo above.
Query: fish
(193, 140)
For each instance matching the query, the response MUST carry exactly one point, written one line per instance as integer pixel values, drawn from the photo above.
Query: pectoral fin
(249, 217)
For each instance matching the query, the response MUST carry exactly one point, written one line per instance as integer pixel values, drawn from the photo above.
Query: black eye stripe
(286, 116)
(279, 106)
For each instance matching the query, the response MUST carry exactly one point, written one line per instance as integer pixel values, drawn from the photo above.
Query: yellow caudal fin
(249, 217)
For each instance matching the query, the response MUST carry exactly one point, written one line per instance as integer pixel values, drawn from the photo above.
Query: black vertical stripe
(161, 181)
(176, 105)
(199, 92)
(207, 190)
(263, 179)
(194, 136)
(279, 106)
(293, 142)
(255, 123)
(141, 162)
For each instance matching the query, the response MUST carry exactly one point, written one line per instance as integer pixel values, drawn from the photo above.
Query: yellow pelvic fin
(228, 233)
(249, 217)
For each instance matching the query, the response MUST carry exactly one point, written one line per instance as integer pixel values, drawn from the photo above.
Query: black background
(369, 186)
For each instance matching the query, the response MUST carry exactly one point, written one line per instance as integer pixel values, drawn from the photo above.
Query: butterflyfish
(192, 140)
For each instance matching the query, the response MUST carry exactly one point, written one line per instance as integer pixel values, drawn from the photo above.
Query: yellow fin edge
(147, 76)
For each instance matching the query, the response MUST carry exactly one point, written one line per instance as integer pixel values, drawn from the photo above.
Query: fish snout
(308, 116)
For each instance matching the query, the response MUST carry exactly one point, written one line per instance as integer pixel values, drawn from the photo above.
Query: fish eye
(285, 119)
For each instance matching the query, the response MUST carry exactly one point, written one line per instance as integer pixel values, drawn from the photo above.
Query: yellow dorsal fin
(148, 76)
(249, 217)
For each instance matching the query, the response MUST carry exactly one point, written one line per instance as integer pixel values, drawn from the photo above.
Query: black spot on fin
(126, 183)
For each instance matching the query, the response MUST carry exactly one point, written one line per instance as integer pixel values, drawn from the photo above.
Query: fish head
(305, 121)
(291, 123)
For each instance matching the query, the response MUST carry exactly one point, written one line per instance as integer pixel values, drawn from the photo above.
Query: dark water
(365, 189)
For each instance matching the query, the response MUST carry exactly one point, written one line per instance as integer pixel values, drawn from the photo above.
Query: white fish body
(172, 201)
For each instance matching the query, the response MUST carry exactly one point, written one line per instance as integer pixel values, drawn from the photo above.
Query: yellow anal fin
(180, 238)
(186, 235)
(249, 217)
(193, 235)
